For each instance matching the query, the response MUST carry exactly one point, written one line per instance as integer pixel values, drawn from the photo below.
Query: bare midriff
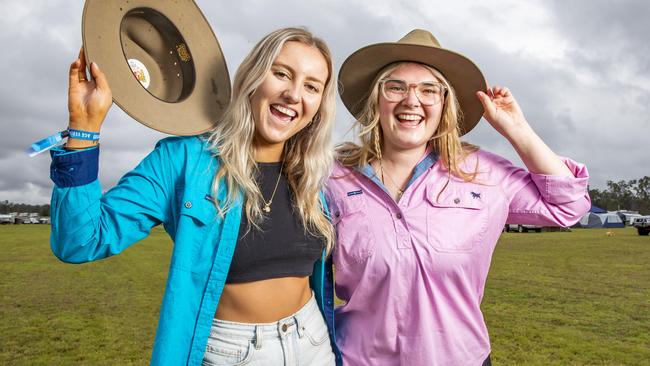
(263, 301)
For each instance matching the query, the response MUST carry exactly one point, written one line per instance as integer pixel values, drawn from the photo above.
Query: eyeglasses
(428, 92)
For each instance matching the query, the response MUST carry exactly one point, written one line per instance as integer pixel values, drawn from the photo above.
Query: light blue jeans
(300, 339)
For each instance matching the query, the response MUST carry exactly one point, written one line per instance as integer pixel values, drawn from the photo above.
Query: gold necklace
(400, 192)
(267, 205)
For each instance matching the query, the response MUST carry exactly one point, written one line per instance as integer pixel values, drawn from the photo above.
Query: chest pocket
(457, 219)
(198, 205)
(355, 240)
(194, 243)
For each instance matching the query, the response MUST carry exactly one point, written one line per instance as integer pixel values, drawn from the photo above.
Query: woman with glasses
(418, 213)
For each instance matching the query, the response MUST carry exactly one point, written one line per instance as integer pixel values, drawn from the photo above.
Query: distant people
(241, 203)
(418, 213)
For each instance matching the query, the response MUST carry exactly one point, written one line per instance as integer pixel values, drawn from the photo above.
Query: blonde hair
(308, 154)
(445, 141)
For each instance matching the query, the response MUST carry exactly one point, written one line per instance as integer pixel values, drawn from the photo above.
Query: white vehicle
(642, 225)
(7, 219)
(23, 218)
(629, 218)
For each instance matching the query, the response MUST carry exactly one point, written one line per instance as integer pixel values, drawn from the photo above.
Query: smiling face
(288, 98)
(408, 124)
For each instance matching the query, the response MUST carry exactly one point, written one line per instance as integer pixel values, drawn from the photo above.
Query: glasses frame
(442, 86)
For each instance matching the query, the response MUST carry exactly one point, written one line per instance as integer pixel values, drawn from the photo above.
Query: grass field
(565, 298)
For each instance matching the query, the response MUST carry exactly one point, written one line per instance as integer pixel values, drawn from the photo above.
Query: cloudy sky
(580, 70)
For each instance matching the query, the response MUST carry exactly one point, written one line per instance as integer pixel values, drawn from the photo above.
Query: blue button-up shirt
(171, 186)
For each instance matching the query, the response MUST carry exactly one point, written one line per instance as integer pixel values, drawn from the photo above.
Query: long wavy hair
(445, 140)
(308, 154)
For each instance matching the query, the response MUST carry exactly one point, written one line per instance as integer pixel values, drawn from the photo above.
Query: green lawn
(570, 298)
(565, 298)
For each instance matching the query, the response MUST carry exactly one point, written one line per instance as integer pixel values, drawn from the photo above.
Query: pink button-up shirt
(412, 273)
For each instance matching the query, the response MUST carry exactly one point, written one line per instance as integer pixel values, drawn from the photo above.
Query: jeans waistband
(294, 322)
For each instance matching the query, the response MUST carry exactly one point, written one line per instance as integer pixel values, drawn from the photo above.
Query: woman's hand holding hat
(502, 111)
(88, 100)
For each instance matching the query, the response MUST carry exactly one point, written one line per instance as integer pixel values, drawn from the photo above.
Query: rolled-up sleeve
(74, 168)
(563, 189)
(546, 200)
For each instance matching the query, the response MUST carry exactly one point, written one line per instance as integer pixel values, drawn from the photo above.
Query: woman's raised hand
(88, 100)
(504, 114)
(501, 110)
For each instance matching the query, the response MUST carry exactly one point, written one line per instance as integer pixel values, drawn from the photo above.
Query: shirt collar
(429, 159)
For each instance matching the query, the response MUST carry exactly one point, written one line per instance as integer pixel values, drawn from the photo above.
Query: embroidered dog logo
(476, 195)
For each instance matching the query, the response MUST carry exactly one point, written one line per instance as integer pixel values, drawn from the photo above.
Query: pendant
(266, 208)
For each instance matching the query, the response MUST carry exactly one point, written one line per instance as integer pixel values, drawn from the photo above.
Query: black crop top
(282, 248)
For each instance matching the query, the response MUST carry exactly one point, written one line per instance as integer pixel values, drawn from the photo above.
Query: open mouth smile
(409, 120)
(283, 113)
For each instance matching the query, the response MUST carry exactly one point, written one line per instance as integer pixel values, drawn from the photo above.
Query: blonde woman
(418, 213)
(242, 206)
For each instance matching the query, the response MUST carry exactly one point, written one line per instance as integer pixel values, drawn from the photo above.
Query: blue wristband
(46, 143)
(56, 139)
(83, 135)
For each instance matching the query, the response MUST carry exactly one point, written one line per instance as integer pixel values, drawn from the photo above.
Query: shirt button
(188, 204)
(284, 327)
(456, 200)
(337, 214)
(399, 216)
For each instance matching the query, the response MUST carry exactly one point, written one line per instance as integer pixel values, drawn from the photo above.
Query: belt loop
(299, 326)
(258, 337)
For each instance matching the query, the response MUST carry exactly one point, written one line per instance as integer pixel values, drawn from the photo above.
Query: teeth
(287, 111)
(409, 117)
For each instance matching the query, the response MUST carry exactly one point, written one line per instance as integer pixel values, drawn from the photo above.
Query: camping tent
(596, 209)
(594, 220)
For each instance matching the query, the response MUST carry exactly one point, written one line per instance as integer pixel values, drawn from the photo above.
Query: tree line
(7, 207)
(633, 195)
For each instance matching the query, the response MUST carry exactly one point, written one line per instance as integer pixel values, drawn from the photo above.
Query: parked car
(642, 225)
(628, 217)
(7, 219)
(23, 218)
(523, 228)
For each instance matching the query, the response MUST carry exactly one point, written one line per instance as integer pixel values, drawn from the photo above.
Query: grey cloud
(601, 25)
(607, 34)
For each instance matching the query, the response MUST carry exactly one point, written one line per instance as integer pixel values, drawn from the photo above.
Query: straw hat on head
(162, 61)
(360, 70)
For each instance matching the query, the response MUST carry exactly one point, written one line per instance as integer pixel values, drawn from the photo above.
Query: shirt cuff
(74, 168)
(557, 189)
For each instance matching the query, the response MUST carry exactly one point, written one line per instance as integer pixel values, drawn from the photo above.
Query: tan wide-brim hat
(360, 70)
(162, 61)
